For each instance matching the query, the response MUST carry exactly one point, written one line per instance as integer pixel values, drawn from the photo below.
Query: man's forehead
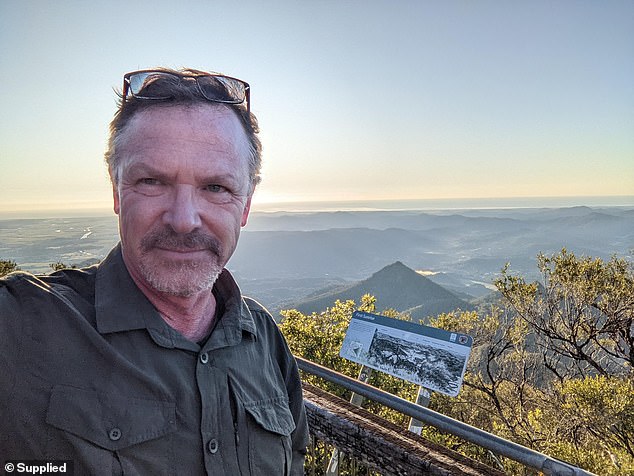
(202, 117)
(214, 126)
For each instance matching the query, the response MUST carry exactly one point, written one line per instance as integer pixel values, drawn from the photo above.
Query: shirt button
(204, 358)
(114, 434)
(212, 446)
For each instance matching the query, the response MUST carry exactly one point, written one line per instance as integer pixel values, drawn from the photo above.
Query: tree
(7, 266)
(57, 266)
(582, 314)
(591, 420)
(552, 370)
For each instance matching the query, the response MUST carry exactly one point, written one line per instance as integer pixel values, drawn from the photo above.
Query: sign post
(422, 399)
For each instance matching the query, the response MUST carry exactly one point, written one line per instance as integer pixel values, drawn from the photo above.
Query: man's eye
(149, 181)
(215, 188)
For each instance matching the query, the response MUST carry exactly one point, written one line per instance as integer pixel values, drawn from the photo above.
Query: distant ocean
(448, 204)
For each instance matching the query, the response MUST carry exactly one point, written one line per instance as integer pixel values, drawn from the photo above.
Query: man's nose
(183, 214)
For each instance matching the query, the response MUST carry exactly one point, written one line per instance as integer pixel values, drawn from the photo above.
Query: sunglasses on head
(149, 84)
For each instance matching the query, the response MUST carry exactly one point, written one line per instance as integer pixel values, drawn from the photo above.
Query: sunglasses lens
(148, 84)
(222, 89)
(136, 82)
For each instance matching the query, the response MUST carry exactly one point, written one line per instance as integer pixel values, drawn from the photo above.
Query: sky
(357, 99)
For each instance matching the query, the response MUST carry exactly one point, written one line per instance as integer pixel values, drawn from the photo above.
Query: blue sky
(356, 99)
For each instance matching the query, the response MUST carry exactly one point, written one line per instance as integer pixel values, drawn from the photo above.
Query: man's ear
(115, 198)
(245, 212)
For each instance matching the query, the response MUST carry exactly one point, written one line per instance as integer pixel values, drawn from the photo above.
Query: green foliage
(551, 366)
(582, 314)
(553, 369)
(318, 338)
(7, 266)
(590, 420)
(57, 266)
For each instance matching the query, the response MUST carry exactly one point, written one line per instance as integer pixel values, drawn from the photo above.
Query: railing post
(357, 401)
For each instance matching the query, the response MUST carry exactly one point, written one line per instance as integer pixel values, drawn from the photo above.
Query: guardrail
(521, 454)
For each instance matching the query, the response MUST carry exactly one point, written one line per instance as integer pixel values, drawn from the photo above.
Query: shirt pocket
(114, 434)
(270, 424)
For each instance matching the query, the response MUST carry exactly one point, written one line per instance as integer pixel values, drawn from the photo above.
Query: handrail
(496, 444)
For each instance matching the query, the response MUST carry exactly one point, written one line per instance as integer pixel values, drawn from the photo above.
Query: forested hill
(397, 287)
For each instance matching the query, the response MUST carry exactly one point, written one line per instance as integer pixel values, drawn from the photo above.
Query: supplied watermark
(38, 467)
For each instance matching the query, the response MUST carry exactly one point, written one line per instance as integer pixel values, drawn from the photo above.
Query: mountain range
(283, 258)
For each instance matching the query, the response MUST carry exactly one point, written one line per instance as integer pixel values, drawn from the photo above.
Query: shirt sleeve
(292, 380)
(299, 438)
(11, 333)
(11, 368)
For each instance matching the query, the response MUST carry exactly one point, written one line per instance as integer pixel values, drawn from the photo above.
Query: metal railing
(521, 454)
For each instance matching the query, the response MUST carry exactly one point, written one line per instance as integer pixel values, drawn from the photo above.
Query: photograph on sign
(427, 356)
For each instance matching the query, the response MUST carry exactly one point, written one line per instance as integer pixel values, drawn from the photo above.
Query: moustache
(169, 239)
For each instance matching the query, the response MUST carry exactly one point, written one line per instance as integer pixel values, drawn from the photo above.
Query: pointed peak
(397, 268)
(397, 265)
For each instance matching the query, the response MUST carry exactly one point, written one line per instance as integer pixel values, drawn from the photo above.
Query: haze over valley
(292, 259)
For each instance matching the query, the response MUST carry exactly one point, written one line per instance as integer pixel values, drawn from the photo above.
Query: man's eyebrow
(220, 177)
(139, 164)
(144, 168)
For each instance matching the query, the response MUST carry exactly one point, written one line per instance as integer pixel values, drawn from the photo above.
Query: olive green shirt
(90, 372)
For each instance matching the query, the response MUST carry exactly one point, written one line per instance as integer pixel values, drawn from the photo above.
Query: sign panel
(431, 357)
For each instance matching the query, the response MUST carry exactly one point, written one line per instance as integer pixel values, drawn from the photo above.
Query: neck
(192, 316)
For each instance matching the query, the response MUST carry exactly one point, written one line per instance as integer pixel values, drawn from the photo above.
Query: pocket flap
(110, 421)
(272, 414)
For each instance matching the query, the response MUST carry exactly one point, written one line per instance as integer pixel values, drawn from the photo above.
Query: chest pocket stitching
(91, 415)
(272, 414)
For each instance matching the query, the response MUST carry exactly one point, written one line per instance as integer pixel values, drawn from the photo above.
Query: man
(152, 362)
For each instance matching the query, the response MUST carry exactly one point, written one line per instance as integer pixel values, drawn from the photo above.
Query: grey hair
(180, 93)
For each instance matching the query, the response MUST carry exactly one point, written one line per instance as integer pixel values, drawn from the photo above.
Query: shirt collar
(121, 306)
(236, 318)
(119, 303)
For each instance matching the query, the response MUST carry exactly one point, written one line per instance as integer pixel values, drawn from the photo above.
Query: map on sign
(431, 357)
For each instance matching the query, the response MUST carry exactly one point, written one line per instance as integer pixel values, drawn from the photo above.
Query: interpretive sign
(431, 357)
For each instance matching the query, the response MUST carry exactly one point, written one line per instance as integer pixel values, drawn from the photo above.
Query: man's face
(183, 194)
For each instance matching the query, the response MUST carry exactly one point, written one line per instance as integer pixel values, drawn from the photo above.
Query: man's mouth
(181, 250)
